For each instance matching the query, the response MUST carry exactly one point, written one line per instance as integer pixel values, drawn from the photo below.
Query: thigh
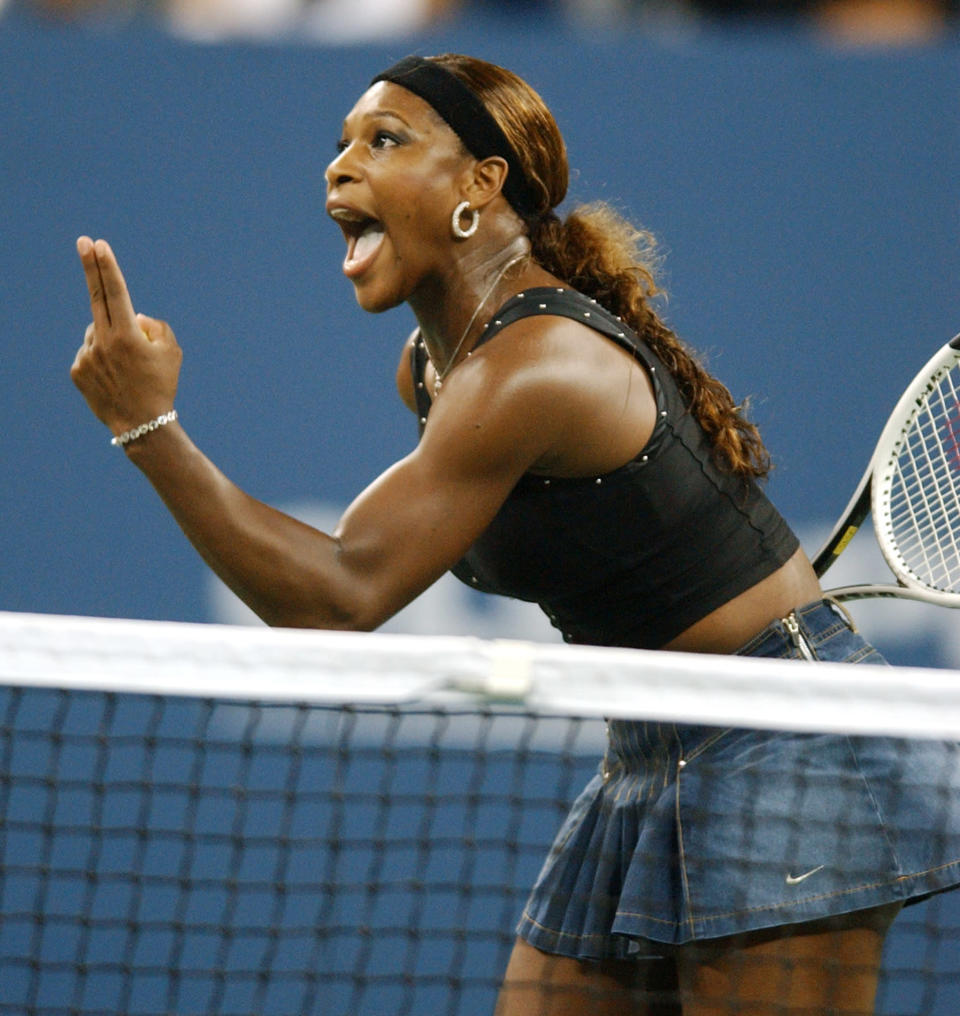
(806, 970)
(538, 984)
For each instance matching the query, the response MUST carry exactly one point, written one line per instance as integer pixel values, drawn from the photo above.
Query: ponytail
(600, 254)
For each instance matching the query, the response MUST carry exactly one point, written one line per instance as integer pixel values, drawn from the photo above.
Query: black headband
(466, 116)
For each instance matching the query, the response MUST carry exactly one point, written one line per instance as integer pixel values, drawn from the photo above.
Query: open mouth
(363, 234)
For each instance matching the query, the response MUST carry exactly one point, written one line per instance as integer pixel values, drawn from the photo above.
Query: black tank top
(635, 556)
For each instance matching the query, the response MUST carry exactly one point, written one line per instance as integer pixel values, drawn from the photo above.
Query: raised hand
(129, 364)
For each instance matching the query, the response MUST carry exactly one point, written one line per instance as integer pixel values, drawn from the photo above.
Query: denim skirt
(692, 832)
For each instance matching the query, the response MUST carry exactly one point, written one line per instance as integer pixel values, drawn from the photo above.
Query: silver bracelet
(131, 435)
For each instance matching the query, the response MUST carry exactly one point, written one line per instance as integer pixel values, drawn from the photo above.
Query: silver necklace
(438, 375)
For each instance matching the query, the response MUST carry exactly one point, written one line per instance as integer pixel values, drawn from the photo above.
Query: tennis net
(207, 819)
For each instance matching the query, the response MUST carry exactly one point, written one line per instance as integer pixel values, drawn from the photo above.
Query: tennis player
(573, 452)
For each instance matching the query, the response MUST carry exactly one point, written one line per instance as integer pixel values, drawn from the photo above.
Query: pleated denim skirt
(691, 832)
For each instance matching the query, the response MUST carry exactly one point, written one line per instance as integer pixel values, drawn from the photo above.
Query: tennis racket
(912, 488)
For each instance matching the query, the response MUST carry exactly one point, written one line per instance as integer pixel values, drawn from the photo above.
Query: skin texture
(552, 397)
(827, 967)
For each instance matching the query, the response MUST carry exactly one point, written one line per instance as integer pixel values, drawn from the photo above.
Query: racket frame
(874, 485)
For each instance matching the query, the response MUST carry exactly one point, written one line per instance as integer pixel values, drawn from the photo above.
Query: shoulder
(542, 355)
(405, 382)
(552, 390)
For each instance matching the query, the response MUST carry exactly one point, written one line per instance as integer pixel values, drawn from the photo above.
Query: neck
(451, 313)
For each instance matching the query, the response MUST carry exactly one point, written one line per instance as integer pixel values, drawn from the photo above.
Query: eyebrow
(380, 114)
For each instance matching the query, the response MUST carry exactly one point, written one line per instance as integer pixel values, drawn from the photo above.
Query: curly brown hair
(598, 252)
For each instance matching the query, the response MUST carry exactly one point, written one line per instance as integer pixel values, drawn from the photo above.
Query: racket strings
(924, 504)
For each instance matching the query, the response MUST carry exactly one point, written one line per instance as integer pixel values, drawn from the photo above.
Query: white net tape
(333, 667)
(238, 820)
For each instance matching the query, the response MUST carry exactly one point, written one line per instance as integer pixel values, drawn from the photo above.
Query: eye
(381, 139)
(384, 139)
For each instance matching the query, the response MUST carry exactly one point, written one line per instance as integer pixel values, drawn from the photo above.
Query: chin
(375, 301)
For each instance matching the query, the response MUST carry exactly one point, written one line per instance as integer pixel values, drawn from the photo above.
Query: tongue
(367, 242)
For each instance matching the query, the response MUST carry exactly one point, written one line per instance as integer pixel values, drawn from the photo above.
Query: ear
(485, 181)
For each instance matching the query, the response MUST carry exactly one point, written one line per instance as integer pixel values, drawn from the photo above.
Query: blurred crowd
(847, 22)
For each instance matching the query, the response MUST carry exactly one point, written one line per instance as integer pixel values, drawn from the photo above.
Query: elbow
(358, 615)
(342, 595)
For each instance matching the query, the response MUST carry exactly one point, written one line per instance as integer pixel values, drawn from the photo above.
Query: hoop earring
(458, 212)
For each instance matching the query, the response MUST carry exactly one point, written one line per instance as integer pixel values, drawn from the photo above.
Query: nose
(341, 169)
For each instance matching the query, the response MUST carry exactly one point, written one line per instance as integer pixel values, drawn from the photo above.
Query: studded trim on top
(559, 302)
(629, 558)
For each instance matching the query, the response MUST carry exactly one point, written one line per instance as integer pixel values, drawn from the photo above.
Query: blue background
(806, 199)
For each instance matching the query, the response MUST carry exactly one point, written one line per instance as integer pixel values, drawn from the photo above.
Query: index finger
(109, 297)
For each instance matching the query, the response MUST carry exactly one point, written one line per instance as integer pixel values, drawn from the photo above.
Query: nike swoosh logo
(796, 879)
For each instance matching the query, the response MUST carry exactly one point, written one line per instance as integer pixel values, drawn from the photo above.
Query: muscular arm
(404, 531)
(397, 537)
